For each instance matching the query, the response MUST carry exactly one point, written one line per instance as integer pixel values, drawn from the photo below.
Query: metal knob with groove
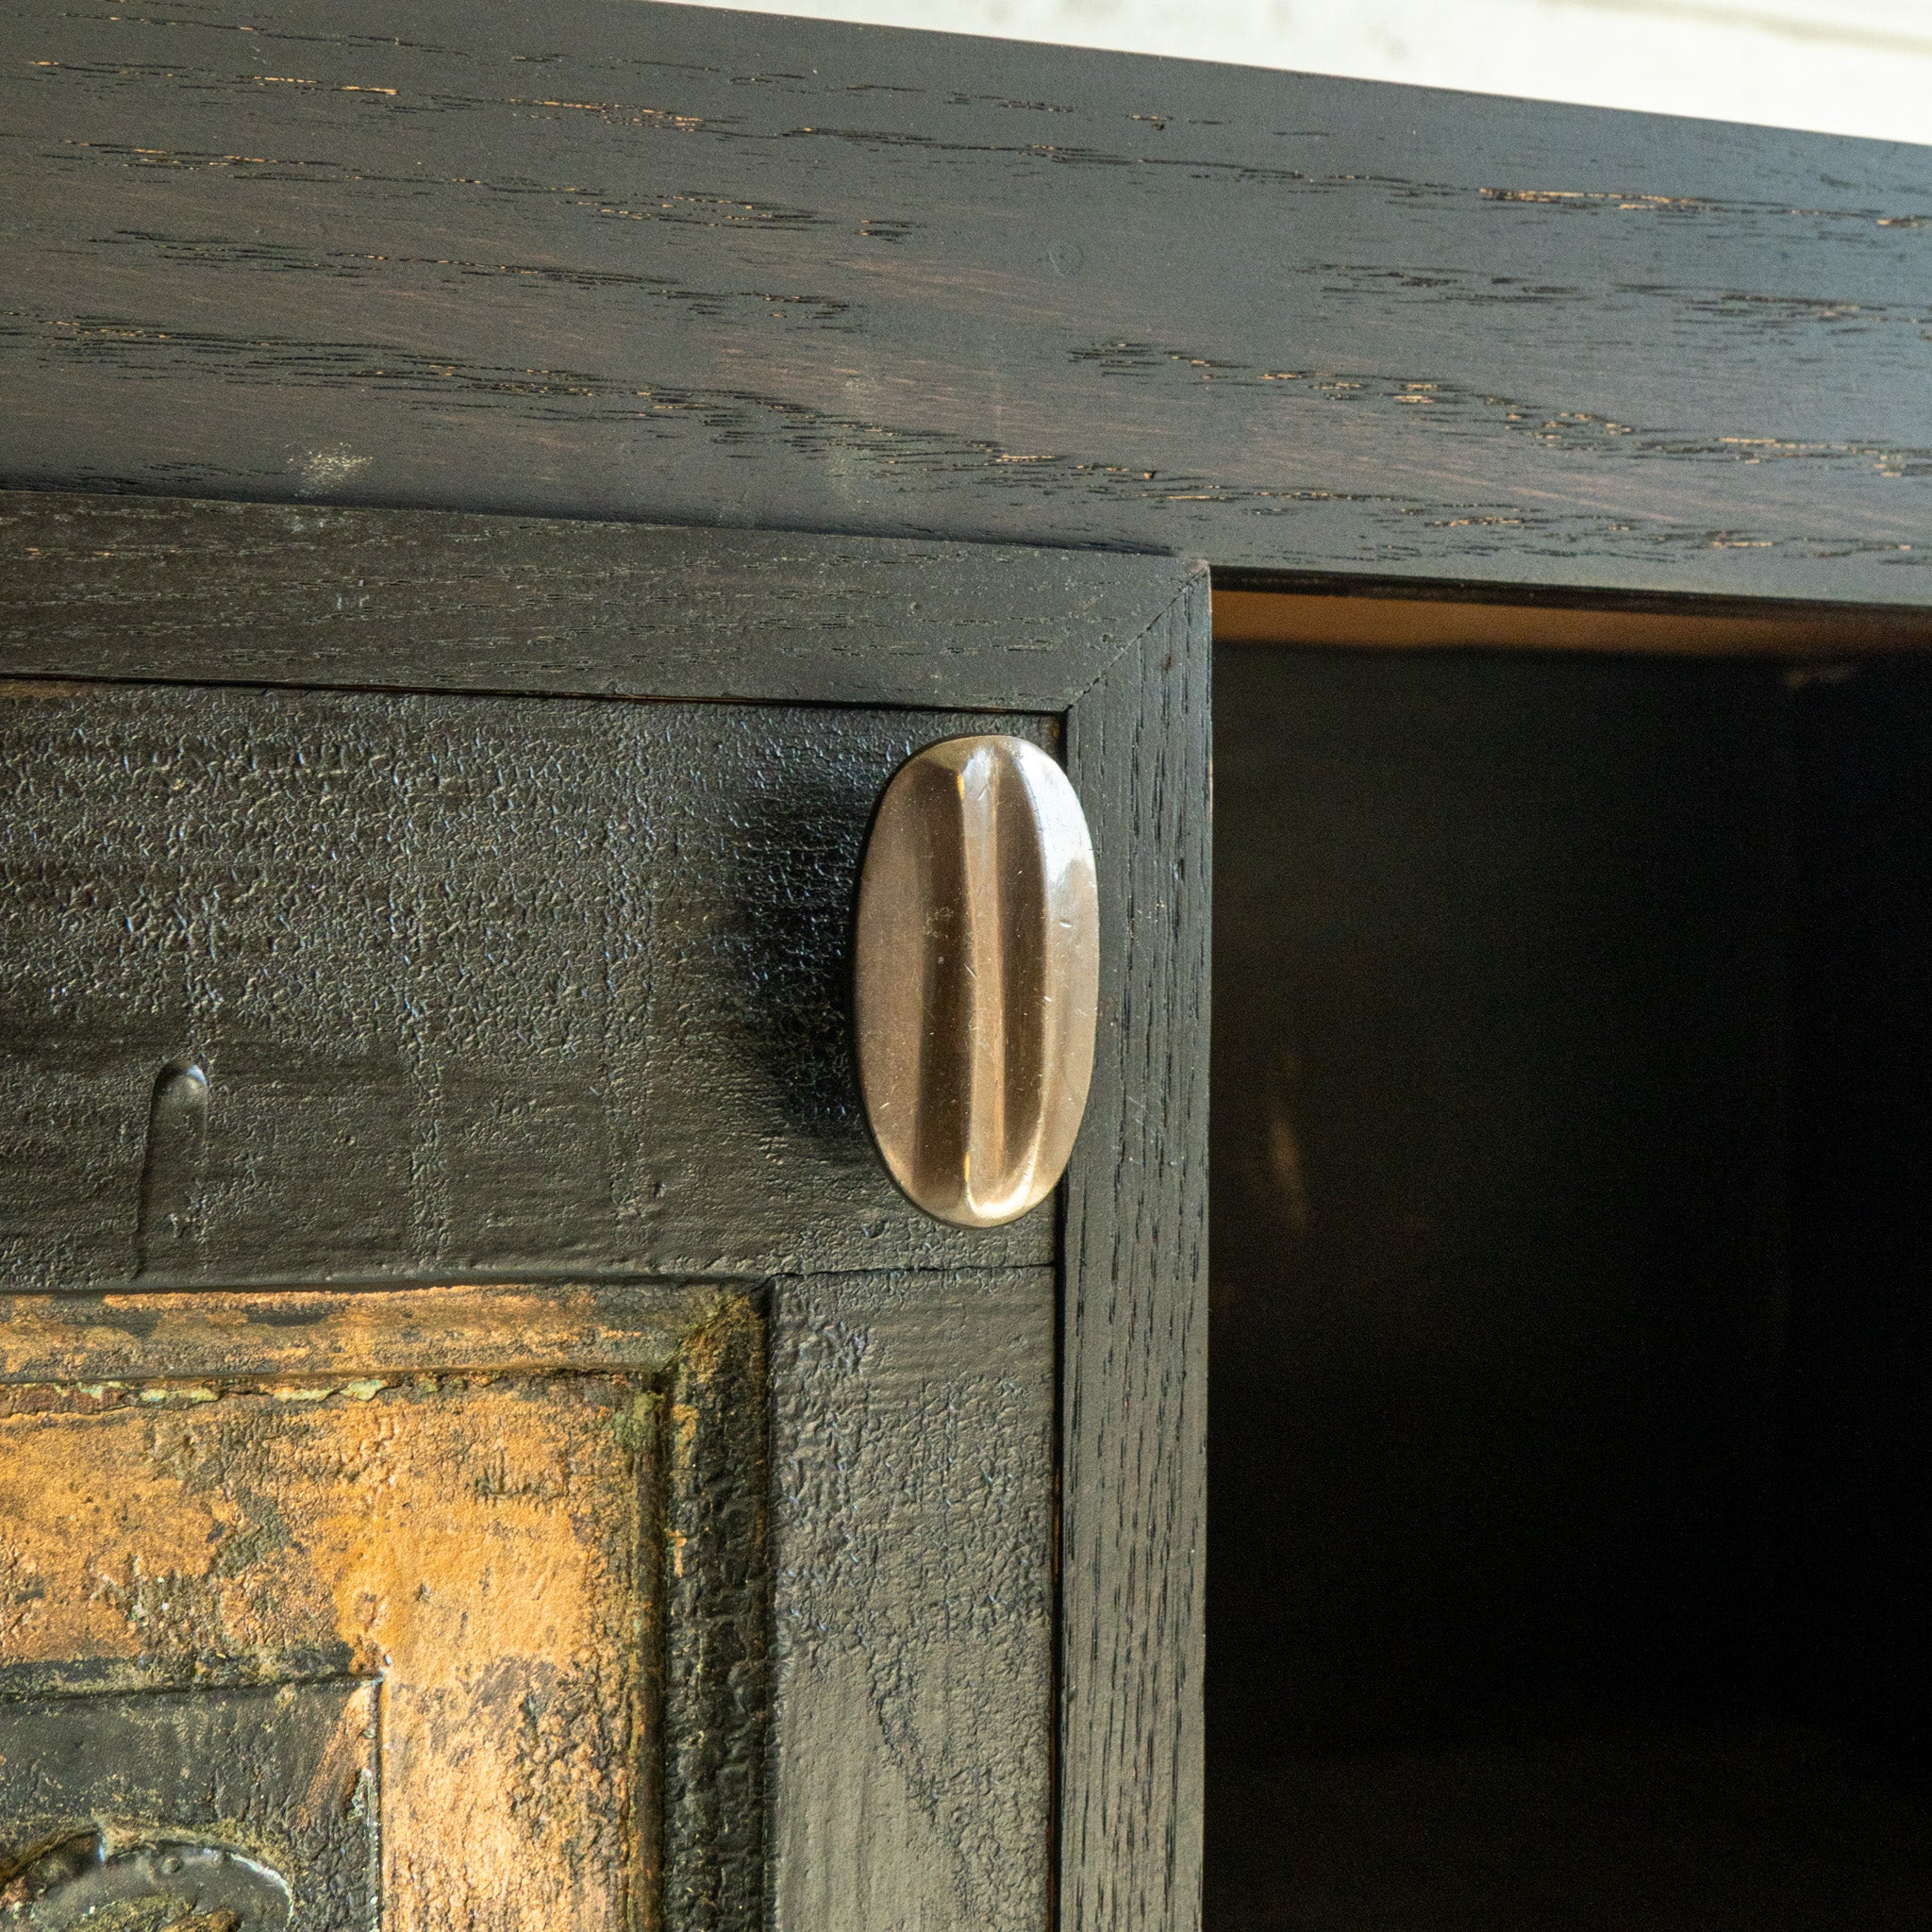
(976, 978)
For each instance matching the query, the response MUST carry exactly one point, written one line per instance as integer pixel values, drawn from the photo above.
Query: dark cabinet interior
(1572, 1443)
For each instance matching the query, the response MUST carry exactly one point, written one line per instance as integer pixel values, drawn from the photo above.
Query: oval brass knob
(976, 978)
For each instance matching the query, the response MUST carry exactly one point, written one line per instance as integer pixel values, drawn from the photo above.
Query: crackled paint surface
(375, 985)
(474, 1543)
(474, 984)
(475, 1574)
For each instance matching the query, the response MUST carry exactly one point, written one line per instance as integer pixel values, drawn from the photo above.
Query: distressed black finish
(717, 1595)
(93, 1879)
(174, 1174)
(475, 984)
(913, 1551)
(317, 983)
(225, 593)
(619, 259)
(283, 1772)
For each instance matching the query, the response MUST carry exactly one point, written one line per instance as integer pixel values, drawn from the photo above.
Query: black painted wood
(913, 1545)
(475, 984)
(1134, 1447)
(340, 983)
(95, 586)
(716, 1691)
(284, 1769)
(622, 259)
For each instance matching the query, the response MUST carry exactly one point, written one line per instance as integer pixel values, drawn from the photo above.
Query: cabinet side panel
(912, 1542)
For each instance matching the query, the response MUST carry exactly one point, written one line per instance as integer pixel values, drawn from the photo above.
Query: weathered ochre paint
(321, 1332)
(478, 1543)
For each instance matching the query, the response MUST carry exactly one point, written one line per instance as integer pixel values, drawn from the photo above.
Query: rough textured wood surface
(714, 1508)
(912, 1546)
(326, 986)
(619, 260)
(288, 1770)
(95, 586)
(553, 1584)
(418, 1330)
(476, 983)
(1133, 1443)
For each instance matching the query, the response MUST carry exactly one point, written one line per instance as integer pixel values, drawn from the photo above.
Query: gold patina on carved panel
(431, 1606)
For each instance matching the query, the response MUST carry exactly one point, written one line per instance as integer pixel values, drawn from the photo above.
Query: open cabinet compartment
(1572, 1465)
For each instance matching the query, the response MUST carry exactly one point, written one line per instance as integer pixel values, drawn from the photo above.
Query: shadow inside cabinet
(1572, 1468)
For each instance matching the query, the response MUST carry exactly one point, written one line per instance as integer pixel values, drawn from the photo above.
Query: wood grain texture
(622, 259)
(912, 1548)
(1133, 1443)
(478, 984)
(94, 586)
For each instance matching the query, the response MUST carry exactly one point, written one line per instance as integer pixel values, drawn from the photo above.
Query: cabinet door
(482, 1440)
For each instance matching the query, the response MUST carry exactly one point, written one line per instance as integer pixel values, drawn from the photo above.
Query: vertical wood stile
(1134, 1424)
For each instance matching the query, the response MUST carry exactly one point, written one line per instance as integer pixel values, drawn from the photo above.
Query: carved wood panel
(449, 1598)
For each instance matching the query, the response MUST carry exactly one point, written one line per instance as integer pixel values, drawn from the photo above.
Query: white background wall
(1844, 66)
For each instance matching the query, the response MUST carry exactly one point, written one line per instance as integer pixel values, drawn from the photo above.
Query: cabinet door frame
(151, 590)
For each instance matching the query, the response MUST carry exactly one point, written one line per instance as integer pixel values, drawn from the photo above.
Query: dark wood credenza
(490, 495)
